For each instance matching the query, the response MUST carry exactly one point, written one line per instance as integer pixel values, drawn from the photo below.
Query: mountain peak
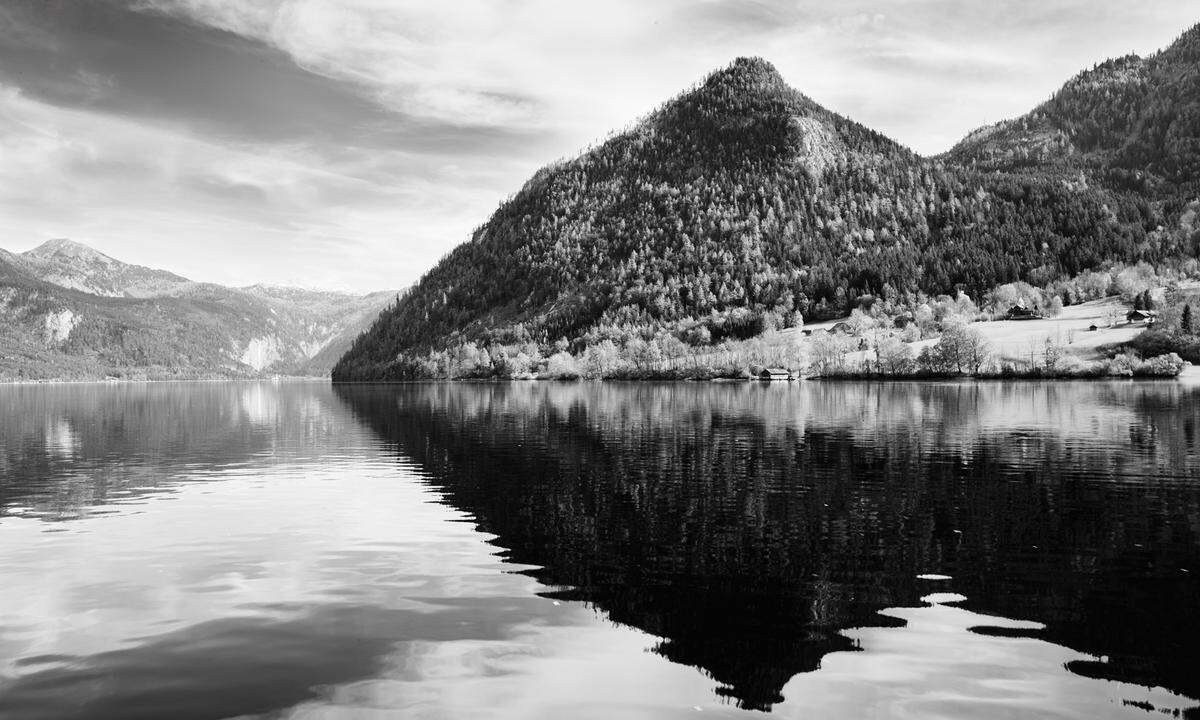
(753, 66)
(77, 266)
(64, 248)
(746, 75)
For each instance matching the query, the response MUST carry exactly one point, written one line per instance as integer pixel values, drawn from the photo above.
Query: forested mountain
(71, 312)
(1132, 122)
(742, 202)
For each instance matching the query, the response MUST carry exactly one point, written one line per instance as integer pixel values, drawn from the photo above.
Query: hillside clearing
(1020, 341)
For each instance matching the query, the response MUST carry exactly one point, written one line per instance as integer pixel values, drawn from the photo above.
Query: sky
(350, 144)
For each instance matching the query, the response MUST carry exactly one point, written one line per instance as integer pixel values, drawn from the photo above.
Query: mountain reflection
(746, 526)
(65, 449)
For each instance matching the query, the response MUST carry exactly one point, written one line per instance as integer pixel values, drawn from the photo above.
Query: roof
(1020, 313)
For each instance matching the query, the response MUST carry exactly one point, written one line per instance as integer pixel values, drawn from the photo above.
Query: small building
(842, 327)
(775, 374)
(1092, 328)
(806, 333)
(1020, 312)
(1147, 316)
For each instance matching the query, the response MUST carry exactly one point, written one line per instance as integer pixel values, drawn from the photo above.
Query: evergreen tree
(1185, 322)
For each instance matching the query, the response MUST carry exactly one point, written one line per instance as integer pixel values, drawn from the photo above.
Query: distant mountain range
(742, 202)
(71, 312)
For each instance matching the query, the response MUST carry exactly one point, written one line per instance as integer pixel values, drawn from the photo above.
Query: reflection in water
(237, 550)
(849, 550)
(66, 449)
(748, 526)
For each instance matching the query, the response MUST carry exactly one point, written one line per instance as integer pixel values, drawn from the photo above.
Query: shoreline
(1189, 377)
(125, 381)
(1189, 374)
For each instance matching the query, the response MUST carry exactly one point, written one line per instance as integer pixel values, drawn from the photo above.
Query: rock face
(59, 326)
(262, 352)
(72, 312)
(820, 148)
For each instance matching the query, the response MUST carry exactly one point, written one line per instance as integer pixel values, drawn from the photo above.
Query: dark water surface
(539, 550)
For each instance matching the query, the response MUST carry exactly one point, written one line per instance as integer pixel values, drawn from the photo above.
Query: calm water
(600, 551)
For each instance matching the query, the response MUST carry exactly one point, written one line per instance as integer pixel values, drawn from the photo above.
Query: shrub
(1169, 365)
(562, 366)
(1123, 365)
(1154, 342)
(961, 350)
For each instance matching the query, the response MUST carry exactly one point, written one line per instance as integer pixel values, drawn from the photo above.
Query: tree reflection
(746, 526)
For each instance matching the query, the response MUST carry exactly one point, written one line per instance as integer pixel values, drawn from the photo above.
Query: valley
(73, 313)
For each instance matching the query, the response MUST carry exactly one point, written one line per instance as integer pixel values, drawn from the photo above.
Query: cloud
(235, 213)
(418, 58)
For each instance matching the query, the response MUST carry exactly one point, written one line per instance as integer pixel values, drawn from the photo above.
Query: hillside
(1131, 122)
(74, 313)
(742, 202)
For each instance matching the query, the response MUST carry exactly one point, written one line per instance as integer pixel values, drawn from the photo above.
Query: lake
(546, 550)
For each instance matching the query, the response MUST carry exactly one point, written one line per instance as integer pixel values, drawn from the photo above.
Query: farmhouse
(1147, 316)
(1020, 312)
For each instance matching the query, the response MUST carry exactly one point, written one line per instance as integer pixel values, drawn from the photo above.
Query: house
(806, 332)
(842, 327)
(1020, 312)
(1092, 328)
(1147, 316)
(776, 374)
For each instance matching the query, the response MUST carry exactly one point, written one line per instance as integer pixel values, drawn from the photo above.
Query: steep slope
(332, 320)
(1135, 121)
(146, 323)
(734, 206)
(351, 325)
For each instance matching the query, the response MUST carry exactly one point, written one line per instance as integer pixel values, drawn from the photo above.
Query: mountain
(78, 267)
(74, 313)
(742, 202)
(1133, 121)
